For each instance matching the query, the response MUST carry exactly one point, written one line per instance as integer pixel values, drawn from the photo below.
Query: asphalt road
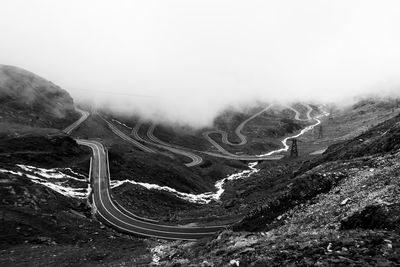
(84, 115)
(112, 214)
(242, 137)
(127, 138)
(115, 215)
(195, 159)
(238, 132)
(155, 142)
(297, 114)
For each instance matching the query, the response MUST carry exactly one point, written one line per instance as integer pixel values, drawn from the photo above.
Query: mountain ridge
(30, 100)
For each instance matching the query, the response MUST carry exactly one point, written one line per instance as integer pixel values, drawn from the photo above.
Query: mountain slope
(26, 98)
(339, 209)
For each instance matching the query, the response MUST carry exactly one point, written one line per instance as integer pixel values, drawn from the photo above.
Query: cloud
(188, 60)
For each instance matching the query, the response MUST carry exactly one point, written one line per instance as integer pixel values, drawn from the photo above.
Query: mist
(186, 61)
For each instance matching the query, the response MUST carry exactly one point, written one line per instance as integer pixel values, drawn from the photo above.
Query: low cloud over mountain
(185, 61)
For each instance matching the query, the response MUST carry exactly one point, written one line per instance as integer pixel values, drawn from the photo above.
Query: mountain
(338, 209)
(29, 100)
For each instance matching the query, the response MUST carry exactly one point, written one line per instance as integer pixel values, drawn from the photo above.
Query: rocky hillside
(40, 223)
(41, 227)
(339, 209)
(30, 100)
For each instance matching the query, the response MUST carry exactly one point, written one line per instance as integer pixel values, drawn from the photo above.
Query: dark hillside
(28, 99)
(46, 151)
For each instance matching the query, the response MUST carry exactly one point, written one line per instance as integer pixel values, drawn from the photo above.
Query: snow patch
(203, 198)
(55, 179)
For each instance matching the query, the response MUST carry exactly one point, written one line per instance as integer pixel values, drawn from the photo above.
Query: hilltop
(27, 99)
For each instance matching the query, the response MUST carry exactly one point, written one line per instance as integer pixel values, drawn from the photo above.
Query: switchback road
(114, 216)
(238, 132)
(125, 137)
(155, 142)
(84, 115)
(195, 159)
(297, 114)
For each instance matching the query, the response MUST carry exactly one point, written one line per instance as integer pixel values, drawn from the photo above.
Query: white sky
(197, 57)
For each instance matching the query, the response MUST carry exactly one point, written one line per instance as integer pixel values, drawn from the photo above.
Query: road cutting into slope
(109, 213)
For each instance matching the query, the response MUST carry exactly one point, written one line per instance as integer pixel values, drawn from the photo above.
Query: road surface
(115, 215)
(125, 137)
(135, 131)
(229, 155)
(84, 115)
(121, 220)
(238, 132)
(297, 114)
(154, 141)
(195, 159)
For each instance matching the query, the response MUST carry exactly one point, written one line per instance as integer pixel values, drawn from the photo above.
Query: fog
(187, 61)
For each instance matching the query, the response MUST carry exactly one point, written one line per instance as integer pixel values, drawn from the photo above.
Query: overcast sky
(187, 60)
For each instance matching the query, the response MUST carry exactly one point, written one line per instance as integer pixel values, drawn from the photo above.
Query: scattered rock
(344, 202)
(329, 247)
(234, 263)
(206, 264)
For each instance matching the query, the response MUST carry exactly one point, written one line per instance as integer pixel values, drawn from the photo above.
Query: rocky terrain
(45, 215)
(338, 209)
(41, 226)
(335, 209)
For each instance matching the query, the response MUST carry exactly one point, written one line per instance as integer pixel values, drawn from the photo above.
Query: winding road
(195, 159)
(125, 221)
(223, 152)
(238, 132)
(84, 115)
(135, 131)
(154, 141)
(125, 137)
(297, 114)
(113, 214)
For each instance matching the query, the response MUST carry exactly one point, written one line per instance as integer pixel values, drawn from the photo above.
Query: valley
(223, 193)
